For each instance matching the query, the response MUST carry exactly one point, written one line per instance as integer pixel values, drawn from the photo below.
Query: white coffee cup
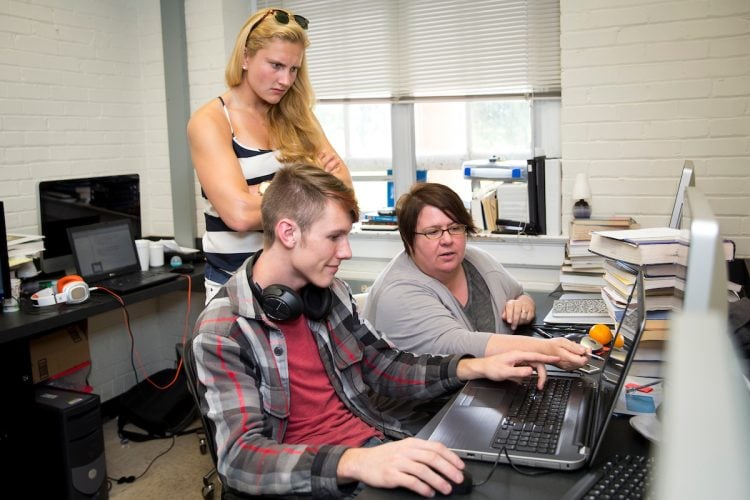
(143, 253)
(156, 254)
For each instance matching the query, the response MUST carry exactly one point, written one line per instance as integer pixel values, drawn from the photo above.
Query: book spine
(382, 218)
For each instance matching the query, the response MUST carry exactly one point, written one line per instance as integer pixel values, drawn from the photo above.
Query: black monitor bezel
(63, 262)
(4, 259)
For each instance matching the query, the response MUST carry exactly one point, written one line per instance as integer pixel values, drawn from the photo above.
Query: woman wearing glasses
(439, 296)
(239, 140)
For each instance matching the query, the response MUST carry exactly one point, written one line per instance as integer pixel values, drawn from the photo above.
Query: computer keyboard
(137, 280)
(622, 477)
(534, 418)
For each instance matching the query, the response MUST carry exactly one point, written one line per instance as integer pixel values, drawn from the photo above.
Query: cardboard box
(60, 353)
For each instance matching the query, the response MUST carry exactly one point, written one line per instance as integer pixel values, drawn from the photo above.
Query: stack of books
(661, 253)
(581, 229)
(663, 291)
(656, 245)
(23, 248)
(379, 222)
(583, 271)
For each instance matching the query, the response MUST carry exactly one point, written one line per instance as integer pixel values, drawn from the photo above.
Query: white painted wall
(647, 84)
(82, 94)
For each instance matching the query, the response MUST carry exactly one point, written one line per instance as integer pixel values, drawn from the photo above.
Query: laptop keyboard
(535, 417)
(135, 280)
(622, 476)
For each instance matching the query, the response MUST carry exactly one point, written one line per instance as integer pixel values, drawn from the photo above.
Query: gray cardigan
(418, 313)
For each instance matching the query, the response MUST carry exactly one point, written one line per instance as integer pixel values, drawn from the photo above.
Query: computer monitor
(686, 179)
(5, 290)
(78, 202)
(705, 442)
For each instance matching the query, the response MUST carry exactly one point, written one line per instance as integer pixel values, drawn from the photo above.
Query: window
(361, 134)
(469, 74)
(446, 134)
(449, 133)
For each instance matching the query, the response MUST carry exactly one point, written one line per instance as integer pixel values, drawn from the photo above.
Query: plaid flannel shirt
(244, 388)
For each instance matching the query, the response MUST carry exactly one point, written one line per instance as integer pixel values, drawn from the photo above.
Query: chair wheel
(208, 492)
(203, 446)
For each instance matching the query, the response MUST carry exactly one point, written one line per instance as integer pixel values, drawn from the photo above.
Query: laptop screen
(103, 250)
(617, 362)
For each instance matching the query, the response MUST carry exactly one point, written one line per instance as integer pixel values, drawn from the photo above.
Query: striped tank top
(225, 248)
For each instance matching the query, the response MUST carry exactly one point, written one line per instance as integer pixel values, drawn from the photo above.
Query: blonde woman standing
(239, 140)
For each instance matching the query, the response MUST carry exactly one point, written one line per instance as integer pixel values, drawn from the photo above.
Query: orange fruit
(619, 341)
(601, 333)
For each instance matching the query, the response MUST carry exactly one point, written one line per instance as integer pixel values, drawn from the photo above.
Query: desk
(18, 328)
(620, 437)
(508, 484)
(29, 322)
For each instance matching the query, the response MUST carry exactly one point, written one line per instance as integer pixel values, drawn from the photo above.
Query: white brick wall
(647, 84)
(82, 94)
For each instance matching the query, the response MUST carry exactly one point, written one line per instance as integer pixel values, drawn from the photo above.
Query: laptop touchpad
(484, 397)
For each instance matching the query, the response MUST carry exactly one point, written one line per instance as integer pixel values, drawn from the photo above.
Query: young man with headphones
(286, 364)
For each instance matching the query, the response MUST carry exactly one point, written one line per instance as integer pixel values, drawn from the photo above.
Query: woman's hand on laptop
(572, 355)
(512, 365)
(419, 465)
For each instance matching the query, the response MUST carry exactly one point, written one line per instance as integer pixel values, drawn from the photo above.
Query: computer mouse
(464, 487)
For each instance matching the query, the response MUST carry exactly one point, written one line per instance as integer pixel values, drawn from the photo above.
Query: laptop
(105, 256)
(484, 420)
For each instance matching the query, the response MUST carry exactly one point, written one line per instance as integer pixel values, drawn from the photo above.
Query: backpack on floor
(157, 413)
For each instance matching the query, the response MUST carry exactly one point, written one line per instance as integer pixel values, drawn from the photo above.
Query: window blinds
(401, 49)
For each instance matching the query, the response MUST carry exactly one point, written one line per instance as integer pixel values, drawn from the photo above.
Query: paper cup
(143, 253)
(156, 255)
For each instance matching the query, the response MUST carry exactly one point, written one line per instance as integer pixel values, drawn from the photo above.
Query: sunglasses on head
(282, 17)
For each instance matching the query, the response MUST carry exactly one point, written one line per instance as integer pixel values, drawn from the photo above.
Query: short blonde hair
(300, 192)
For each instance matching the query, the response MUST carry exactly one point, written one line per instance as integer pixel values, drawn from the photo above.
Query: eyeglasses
(282, 17)
(435, 233)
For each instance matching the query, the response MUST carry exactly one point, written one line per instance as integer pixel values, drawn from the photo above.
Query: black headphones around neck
(281, 303)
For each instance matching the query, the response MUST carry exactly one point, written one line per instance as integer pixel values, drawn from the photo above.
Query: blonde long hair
(293, 129)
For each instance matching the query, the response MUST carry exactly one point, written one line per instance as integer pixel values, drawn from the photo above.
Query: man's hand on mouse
(419, 465)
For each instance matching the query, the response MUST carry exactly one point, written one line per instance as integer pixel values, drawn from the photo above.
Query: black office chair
(207, 438)
(211, 477)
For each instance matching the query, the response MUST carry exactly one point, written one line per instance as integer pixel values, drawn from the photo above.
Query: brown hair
(300, 192)
(436, 195)
(293, 128)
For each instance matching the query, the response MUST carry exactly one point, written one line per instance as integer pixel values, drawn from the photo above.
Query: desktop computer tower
(68, 457)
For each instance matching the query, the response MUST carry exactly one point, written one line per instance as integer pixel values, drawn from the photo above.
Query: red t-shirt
(317, 414)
